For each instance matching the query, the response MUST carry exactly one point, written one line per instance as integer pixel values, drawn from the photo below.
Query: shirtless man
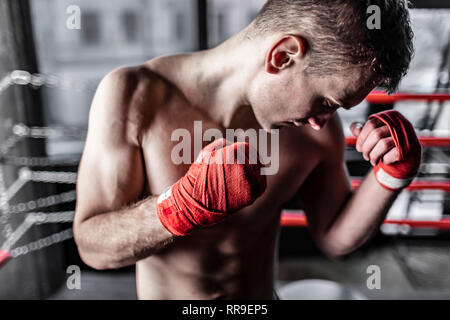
(290, 69)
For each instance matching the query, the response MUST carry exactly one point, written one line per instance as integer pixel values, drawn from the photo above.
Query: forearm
(359, 218)
(121, 238)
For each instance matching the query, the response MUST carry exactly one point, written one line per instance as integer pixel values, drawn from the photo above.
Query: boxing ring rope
(418, 185)
(298, 220)
(381, 97)
(26, 174)
(427, 142)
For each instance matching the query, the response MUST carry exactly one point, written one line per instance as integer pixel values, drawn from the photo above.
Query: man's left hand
(388, 140)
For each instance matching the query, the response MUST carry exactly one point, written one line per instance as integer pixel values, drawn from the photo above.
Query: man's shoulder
(137, 86)
(128, 99)
(135, 93)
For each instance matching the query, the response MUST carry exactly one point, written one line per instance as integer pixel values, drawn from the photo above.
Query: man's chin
(271, 127)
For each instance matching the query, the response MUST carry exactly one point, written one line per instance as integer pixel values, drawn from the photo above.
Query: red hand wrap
(223, 180)
(399, 175)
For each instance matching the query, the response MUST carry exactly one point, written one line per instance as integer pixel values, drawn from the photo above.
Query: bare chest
(170, 148)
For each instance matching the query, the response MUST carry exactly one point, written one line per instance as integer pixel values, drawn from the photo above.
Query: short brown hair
(338, 37)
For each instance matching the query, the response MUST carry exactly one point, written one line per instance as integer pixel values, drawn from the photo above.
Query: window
(130, 24)
(180, 26)
(222, 26)
(90, 28)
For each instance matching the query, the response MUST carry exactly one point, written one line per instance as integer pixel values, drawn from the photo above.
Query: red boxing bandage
(399, 175)
(223, 180)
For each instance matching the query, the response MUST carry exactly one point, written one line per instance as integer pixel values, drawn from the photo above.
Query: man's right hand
(225, 178)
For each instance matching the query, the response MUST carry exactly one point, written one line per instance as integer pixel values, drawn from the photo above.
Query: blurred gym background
(48, 76)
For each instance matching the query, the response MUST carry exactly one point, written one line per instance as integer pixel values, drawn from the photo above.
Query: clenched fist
(389, 141)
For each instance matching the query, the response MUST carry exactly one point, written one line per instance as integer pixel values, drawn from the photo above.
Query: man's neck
(216, 81)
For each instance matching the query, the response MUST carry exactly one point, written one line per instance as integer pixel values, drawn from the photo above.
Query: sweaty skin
(127, 164)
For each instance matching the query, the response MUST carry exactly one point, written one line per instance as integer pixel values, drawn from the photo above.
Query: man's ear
(285, 52)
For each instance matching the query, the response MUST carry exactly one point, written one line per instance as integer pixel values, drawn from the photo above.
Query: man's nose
(319, 121)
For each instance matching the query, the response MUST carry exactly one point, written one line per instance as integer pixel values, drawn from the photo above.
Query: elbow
(92, 262)
(337, 251)
(91, 259)
(336, 256)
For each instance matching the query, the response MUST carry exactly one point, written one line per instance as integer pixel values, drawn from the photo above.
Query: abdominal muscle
(223, 262)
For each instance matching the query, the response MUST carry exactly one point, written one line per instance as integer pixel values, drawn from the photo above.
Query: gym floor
(410, 269)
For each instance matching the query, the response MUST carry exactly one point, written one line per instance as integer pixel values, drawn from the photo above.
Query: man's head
(322, 55)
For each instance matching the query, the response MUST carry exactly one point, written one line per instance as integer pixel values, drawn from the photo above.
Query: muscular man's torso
(231, 260)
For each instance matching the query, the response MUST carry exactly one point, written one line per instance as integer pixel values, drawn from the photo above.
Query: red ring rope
(299, 220)
(425, 141)
(381, 97)
(418, 185)
(4, 256)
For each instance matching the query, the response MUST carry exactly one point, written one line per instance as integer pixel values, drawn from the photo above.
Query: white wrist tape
(391, 182)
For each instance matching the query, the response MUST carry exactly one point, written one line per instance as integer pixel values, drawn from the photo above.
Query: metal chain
(14, 188)
(37, 80)
(4, 203)
(18, 233)
(40, 203)
(9, 144)
(25, 175)
(48, 176)
(22, 130)
(5, 83)
(39, 218)
(42, 243)
(4, 208)
(38, 161)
